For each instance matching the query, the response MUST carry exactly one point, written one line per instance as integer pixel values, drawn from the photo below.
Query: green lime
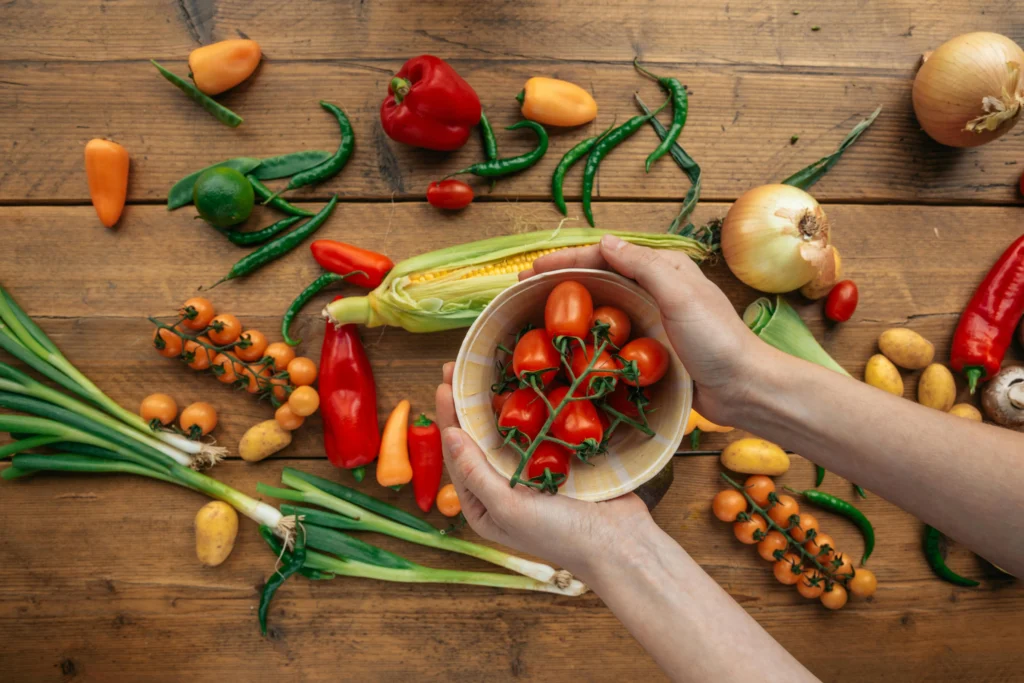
(223, 197)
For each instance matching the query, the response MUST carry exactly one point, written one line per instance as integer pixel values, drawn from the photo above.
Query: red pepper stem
(400, 87)
(422, 421)
(974, 375)
(358, 472)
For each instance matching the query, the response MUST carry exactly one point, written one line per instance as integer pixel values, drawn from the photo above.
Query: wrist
(630, 551)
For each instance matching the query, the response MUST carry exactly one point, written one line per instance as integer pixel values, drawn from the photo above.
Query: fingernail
(613, 242)
(453, 440)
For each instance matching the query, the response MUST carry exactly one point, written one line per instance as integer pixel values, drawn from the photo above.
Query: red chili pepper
(348, 400)
(426, 459)
(449, 194)
(429, 105)
(987, 324)
(341, 258)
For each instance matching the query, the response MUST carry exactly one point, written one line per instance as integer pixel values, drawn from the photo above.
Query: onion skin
(954, 80)
(775, 239)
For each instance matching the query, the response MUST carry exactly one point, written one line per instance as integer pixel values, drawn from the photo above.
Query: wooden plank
(91, 588)
(875, 34)
(739, 130)
(96, 309)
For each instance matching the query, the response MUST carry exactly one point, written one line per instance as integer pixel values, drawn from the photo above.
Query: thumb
(665, 274)
(469, 469)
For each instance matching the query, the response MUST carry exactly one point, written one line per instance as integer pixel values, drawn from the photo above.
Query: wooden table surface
(100, 580)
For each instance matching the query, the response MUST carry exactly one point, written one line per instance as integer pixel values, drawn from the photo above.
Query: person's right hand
(716, 347)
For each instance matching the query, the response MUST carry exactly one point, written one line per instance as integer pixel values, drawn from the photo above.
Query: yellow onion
(775, 239)
(970, 90)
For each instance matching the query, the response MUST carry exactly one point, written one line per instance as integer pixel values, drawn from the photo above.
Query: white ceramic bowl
(633, 458)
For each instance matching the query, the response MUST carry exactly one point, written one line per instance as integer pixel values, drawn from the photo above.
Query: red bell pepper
(986, 326)
(429, 105)
(341, 258)
(426, 459)
(348, 400)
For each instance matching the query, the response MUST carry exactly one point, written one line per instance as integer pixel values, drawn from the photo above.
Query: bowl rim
(669, 449)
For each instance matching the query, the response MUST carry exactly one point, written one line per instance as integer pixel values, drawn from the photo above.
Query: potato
(755, 456)
(883, 374)
(906, 348)
(937, 388)
(966, 411)
(262, 440)
(216, 529)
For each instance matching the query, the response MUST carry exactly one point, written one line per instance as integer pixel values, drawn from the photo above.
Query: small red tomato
(651, 358)
(842, 301)
(618, 323)
(580, 359)
(499, 400)
(535, 352)
(568, 311)
(551, 456)
(606, 422)
(577, 421)
(449, 194)
(524, 409)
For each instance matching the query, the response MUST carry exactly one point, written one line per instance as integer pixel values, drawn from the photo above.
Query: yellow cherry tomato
(448, 501)
(251, 345)
(287, 419)
(196, 355)
(160, 407)
(304, 401)
(197, 313)
(167, 343)
(224, 329)
(302, 371)
(282, 355)
(198, 419)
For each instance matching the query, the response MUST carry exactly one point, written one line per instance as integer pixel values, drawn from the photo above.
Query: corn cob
(448, 288)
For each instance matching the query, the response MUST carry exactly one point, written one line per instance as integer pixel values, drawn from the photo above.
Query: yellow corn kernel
(511, 264)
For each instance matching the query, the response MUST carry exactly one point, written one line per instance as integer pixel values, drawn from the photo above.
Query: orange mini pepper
(106, 167)
(393, 467)
(556, 103)
(221, 66)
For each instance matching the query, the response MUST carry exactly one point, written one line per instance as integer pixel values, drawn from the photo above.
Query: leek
(782, 327)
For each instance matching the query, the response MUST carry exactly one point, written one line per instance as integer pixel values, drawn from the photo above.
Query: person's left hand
(572, 533)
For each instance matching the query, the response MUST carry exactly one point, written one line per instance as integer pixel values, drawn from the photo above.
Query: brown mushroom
(1003, 398)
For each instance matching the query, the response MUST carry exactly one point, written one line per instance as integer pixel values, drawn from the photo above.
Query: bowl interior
(632, 458)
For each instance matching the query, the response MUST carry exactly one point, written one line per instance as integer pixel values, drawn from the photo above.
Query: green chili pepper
(819, 475)
(248, 239)
(860, 491)
(500, 167)
(490, 142)
(303, 298)
(362, 500)
(841, 507)
(181, 192)
(332, 166)
(688, 166)
(601, 149)
(276, 545)
(290, 563)
(933, 553)
(570, 158)
(277, 248)
(273, 201)
(286, 165)
(219, 111)
(680, 106)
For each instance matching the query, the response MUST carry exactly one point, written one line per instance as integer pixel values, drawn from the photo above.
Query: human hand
(717, 348)
(571, 533)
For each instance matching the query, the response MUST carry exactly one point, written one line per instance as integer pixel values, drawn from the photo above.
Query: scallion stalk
(782, 327)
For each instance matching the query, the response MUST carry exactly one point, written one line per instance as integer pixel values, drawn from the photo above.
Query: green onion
(782, 327)
(806, 177)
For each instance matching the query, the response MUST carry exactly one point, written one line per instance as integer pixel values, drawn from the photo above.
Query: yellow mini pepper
(697, 424)
(556, 103)
(221, 66)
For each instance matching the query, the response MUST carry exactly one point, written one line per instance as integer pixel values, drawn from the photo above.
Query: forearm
(962, 477)
(691, 627)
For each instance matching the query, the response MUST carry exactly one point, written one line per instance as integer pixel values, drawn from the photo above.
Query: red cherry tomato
(581, 357)
(651, 358)
(525, 411)
(606, 422)
(499, 400)
(568, 311)
(551, 456)
(618, 322)
(535, 352)
(577, 421)
(619, 400)
(449, 194)
(842, 301)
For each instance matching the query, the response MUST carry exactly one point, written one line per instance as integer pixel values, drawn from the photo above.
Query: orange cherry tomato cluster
(160, 410)
(206, 340)
(801, 554)
(580, 349)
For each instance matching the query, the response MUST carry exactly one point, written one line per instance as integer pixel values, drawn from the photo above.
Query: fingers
(447, 372)
(444, 405)
(467, 465)
(577, 257)
(665, 274)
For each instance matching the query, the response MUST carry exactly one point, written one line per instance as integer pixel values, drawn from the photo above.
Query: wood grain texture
(96, 309)
(739, 130)
(91, 597)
